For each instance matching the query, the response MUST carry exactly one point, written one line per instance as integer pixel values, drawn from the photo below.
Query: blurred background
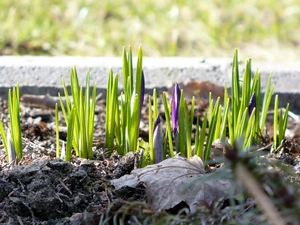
(263, 30)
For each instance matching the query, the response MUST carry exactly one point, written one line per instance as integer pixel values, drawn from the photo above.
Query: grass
(260, 29)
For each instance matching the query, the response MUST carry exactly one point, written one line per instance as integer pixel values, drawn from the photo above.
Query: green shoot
(200, 137)
(280, 123)
(168, 124)
(241, 121)
(266, 103)
(152, 118)
(214, 112)
(15, 124)
(123, 114)
(57, 131)
(13, 139)
(70, 135)
(111, 105)
(79, 116)
(182, 128)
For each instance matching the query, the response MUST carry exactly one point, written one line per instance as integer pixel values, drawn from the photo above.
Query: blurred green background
(264, 30)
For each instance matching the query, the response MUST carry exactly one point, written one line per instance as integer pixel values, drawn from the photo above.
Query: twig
(46, 101)
(262, 148)
(62, 183)
(20, 220)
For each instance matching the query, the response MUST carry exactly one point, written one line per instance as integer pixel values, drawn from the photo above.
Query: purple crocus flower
(142, 92)
(175, 108)
(158, 141)
(252, 103)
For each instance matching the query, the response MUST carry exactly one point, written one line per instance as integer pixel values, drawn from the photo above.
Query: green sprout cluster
(241, 115)
(13, 139)
(79, 116)
(123, 112)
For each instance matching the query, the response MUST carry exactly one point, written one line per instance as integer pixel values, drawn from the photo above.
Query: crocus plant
(153, 114)
(12, 139)
(280, 123)
(182, 123)
(158, 141)
(123, 113)
(242, 113)
(111, 111)
(252, 104)
(243, 101)
(79, 117)
(175, 108)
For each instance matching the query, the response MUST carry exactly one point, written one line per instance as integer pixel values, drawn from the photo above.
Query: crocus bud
(142, 92)
(158, 140)
(175, 108)
(252, 103)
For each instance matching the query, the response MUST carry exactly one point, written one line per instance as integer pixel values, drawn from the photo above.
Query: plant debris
(176, 180)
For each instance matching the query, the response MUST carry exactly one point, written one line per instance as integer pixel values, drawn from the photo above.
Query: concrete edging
(42, 75)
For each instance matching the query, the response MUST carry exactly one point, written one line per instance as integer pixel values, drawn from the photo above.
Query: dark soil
(43, 189)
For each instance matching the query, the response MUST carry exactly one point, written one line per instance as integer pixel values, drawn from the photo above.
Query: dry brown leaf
(201, 89)
(175, 180)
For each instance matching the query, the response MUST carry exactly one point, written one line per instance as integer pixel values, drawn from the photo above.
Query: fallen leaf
(176, 180)
(201, 89)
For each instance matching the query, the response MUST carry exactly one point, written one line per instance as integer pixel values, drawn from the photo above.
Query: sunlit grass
(260, 29)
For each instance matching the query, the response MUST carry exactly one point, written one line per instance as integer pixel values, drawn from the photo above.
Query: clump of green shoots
(280, 123)
(12, 140)
(123, 113)
(179, 126)
(243, 113)
(240, 121)
(153, 117)
(79, 117)
(240, 116)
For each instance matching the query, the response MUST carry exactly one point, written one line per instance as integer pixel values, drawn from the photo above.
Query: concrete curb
(41, 75)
